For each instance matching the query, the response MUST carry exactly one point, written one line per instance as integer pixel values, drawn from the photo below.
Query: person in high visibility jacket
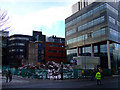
(98, 77)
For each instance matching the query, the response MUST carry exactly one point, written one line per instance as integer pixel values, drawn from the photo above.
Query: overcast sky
(47, 16)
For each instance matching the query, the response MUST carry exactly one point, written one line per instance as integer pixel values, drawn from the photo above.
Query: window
(77, 39)
(11, 50)
(112, 20)
(91, 23)
(114, 33)
(96, 9)
(54, 57)
(98, 33)
(91, 12)
(55, 51)
(71, 51)
(16, 50)
(21, 50)
(19, 38)
(53, 45)
(71, 32)
(12, 38)
(95, 49)
(79, 28)
(103, 48)
(17, 44)
(118, 23)
(112, 9)
(86, 50)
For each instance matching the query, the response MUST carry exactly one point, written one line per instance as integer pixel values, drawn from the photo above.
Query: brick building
(55, 49)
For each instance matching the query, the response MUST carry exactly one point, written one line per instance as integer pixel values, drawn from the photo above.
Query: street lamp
(62, 64)
(61, 70)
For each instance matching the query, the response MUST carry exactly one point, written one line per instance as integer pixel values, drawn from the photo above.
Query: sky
(47, 16)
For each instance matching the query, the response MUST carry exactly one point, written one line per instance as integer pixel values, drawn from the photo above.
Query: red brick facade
(55, 52)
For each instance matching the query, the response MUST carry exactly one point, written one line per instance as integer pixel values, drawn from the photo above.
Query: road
(107, 82)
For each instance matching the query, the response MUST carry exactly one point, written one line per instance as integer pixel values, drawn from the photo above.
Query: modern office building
(55, 49)
(95, 31)
(36, 49)
(21, 47)
(17, 48)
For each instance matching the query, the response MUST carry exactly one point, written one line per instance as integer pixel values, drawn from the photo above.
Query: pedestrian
(8, 76)
(98, 77)
(101, 71)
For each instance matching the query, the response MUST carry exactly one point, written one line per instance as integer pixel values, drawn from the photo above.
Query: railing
(45, 74)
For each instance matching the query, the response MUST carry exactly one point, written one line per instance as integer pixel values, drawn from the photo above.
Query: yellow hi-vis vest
(98, 76)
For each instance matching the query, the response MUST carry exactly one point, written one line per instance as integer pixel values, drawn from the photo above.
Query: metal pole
(62, 65)
(61, 70)
(84, 56)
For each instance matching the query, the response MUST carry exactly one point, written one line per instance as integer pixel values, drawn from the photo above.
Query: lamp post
(62, 64)
(61, 70)
(84, 53)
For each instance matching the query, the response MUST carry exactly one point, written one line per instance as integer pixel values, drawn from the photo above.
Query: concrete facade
(92, 31)
(34, 52)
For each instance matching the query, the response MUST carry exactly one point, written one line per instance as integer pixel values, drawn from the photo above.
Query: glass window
(102, 18)
(88, 24)
(112, 20)
(80, 38)
(85, 36)
(114, 32)
(103, 48)
(11, 38)
(71, 32)
(96, 10)
(98, 33)
(112, 9)
(95, 21)
(21, 50)
(71, 51)
(86, 50)
(102, 7)
(118, 23)
(95, 49)
(17, 44)
(91, 12)
(91, 23)
(19, 38)
(16, 50)
(11, 50)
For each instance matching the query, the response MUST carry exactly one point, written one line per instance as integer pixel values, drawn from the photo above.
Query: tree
(4, 20)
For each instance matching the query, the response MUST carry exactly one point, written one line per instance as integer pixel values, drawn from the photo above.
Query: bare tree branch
(5, 29)
(4, 18)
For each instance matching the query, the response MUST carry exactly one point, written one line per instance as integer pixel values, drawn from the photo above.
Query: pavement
(15, 79)
(20, 82)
